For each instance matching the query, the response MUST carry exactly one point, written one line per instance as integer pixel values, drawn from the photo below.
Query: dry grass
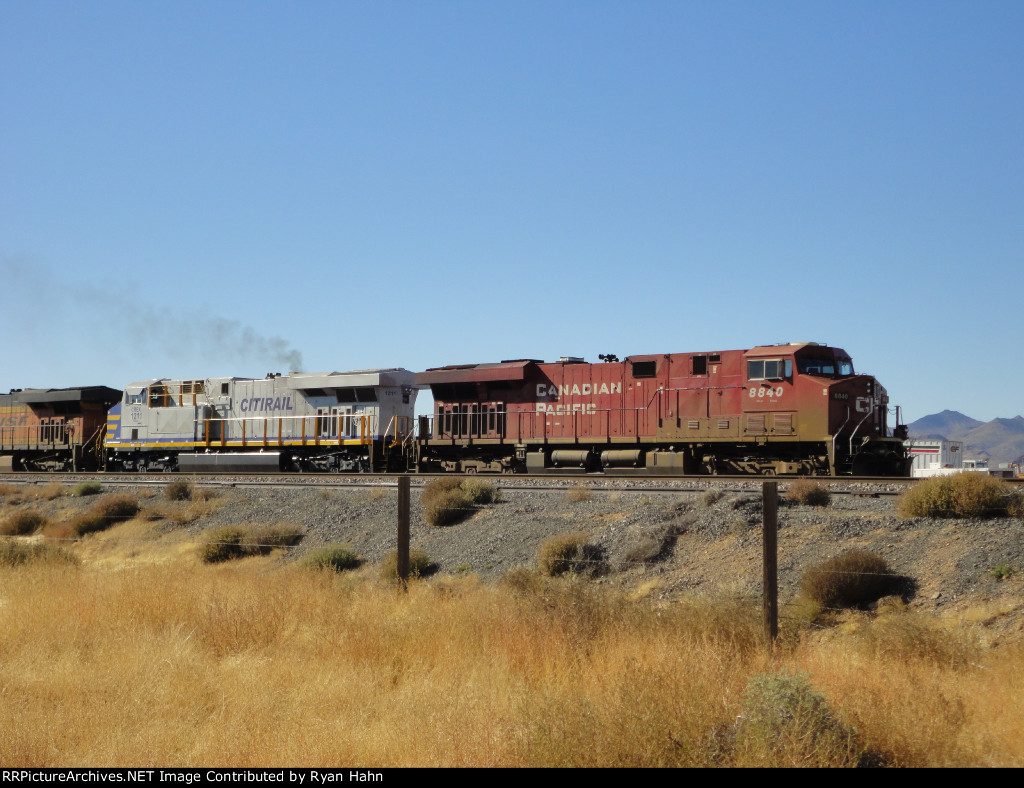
(257, 664)
(15, 494)
(579, 494)
(23, 552)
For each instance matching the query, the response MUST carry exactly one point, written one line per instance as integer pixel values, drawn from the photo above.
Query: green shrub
(106, 512)
(1002, 571)
(19, 553)
(420, 565)
(265, 538)
(179, 490)
(83, 489)
(785, 723)
(480, 492)
(22, 523)
(850, 579)
(567, 553)
(960, 495)
(808, 493)
(337, 557)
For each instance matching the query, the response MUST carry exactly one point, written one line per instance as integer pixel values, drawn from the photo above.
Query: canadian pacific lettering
(577, 390)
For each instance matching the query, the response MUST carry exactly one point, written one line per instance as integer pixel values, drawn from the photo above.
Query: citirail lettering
(264, 404)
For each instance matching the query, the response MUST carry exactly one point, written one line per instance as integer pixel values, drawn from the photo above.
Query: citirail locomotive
(796, 409)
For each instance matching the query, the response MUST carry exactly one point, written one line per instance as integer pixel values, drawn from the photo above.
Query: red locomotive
(776, 409)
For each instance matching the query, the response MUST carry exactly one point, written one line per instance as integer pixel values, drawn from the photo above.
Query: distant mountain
(945, 424)
(998, 441)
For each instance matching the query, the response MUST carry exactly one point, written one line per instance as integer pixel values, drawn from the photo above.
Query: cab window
(770, 369)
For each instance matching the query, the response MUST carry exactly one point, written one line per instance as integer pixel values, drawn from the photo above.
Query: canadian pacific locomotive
(777, 409)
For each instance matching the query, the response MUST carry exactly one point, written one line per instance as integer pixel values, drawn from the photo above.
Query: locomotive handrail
(836, 436)
(859, 423)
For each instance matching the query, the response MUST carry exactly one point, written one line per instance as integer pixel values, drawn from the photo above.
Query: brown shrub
(448, 501)
(179, 490)
(568, 553)
(240, 541)
(808, 493)
(578, 494)
(52, 491)
(852, 578)
(420, 565)
(22, 523)
(106, 512)
(439, 488)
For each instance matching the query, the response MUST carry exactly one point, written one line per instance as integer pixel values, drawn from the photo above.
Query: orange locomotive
(54, 429)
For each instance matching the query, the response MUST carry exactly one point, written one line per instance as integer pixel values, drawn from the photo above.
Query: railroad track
(524, 482)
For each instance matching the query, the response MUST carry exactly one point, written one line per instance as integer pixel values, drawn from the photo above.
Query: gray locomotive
(329, 422)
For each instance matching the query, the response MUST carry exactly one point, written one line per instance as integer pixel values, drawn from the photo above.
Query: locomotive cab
(849, 411)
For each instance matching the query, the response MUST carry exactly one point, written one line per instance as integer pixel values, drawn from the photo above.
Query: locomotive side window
(644, 369)
(700, 365)
(769, 369)
(158, 397)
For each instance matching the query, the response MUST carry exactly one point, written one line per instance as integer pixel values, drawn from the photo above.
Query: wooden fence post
(403, 530)
(770, 582)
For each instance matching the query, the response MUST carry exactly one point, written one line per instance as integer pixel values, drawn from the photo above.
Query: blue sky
(196, 189)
